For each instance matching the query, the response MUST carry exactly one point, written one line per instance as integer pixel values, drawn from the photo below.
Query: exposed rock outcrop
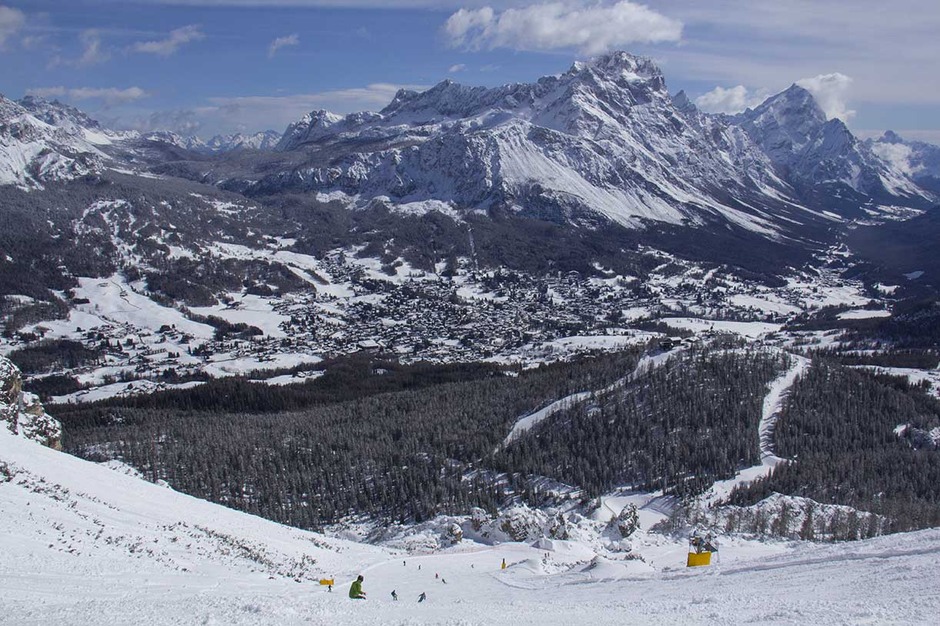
(22, 413)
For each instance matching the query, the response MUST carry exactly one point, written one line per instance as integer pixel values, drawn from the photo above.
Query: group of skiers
(356, 592)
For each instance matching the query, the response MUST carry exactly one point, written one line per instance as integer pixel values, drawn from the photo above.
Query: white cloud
(349, 4)
(283, 42)
(11, 21)
(173, 42)
(830, 91)
(370, 97)
(930, 135)
(93, 53)
(182, 121)
(588, 28)
(459, 67)
(110, 96)
(47, 92)
(254, 113)
(731, 100)
(888, 50)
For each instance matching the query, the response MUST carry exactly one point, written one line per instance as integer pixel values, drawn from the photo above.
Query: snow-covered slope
(84, 544)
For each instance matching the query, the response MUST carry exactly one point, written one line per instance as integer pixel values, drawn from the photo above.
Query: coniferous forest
(839, 427)
(388, 442)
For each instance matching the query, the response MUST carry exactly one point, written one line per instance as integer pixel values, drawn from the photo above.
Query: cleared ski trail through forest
(770, 413)
(530, 421)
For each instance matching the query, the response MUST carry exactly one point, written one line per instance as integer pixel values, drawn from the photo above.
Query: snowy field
(83, 544)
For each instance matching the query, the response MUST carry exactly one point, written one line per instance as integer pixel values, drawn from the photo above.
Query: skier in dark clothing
(422, 597)
(394, 595)
(355, 591)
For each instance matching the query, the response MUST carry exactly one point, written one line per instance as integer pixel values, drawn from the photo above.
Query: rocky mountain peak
(57, 113)
(620, 65)
(310, 127)
(682, 102)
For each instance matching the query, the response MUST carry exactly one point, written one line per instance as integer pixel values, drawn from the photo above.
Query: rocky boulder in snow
(628, 522)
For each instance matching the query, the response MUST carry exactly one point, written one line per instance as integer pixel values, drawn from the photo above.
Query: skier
(443, 581)
(504, 564)
(329, 588)
(422, 597)
(436, 575)
(394, 596)
(355, 591)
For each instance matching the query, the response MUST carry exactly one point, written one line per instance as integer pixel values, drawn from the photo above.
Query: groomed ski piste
(81, 543)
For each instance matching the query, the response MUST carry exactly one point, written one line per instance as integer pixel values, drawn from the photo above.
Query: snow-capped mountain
(601, 142)
(188, 142)
(54, 144)
(811, 151)
(264, 140)
(604, 141)
(918, 159)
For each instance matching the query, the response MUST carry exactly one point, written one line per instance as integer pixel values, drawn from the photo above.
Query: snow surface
(82, 544)
(861, 314)
(751, 330)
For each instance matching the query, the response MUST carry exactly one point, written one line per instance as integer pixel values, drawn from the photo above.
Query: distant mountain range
(589, 170)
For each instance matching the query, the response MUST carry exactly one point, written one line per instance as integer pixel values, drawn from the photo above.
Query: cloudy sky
(209, 66)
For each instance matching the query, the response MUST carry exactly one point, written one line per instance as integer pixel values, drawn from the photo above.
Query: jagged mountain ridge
(604, 139)
(263, 141)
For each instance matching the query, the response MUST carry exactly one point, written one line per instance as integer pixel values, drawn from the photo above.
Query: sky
(221, 66)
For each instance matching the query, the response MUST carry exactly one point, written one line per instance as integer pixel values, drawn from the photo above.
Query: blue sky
(209, 66)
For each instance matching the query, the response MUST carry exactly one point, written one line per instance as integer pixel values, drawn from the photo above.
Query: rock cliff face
(22, 413)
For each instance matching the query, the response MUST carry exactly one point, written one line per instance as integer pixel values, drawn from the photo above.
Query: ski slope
(770, 411)
(84, 544)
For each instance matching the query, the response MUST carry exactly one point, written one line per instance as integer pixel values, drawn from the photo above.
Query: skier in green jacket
(356, 592)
